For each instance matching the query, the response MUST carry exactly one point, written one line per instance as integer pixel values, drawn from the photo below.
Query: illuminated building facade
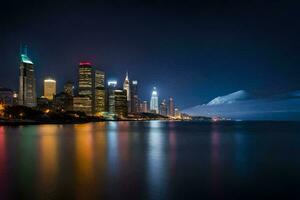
(171, 107)
(121, 109)
(85, 83)
(163, 108)
(144, 107)
(99, 92)
(27, 82)
(126, 87)
(49, 88)
(92, 85)
(82, 104)
(154, 101)
(111, 86)
(134, 97)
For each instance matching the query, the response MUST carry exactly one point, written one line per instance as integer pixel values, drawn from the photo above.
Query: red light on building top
(85, 63)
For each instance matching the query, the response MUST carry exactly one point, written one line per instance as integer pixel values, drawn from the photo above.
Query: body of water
(150, 160)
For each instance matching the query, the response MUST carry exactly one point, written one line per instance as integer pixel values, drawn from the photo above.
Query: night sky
(189, 50)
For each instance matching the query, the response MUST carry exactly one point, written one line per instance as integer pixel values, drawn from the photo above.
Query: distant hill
(241, 105)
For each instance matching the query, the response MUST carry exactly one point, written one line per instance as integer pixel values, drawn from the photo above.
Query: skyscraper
(134, 97)
(117, 100)
(84, 102)
(69, 88)
(111, 86)
(85, 83)
(121, 109)
(144, 107)
(163, 108)
(99, 92)
(154, 101)
(49, 88)
(27, 90)
(126, 86)
(171, 107)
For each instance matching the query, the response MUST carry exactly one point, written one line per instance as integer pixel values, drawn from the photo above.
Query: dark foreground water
(150, 160)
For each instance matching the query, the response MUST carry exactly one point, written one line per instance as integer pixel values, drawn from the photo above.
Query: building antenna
(127, 75)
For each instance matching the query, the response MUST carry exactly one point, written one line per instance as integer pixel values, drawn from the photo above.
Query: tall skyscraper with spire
(154, 101)
(27, 82)
(126, 86)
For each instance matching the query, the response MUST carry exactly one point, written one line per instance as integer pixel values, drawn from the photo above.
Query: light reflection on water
(215, 161)
(3, 160)
(143, 160)
(48, 157)
(156, 158)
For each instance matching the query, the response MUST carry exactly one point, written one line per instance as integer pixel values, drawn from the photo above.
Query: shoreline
(32, 122)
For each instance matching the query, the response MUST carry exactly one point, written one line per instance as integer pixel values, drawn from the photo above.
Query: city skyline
(86, 79)
(149, 99)
(60, 86)
(219, 47)
(91, 97)
(90, 93)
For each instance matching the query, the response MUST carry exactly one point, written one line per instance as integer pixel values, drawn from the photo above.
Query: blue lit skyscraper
(154, 101)
(27, 90)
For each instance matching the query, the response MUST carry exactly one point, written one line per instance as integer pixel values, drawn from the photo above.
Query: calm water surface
(151, 160)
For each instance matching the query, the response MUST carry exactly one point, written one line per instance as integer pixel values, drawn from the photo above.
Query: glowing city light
(25, 59)
(112, 83)
(84, 63)
(1, 109)
(50, 80)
